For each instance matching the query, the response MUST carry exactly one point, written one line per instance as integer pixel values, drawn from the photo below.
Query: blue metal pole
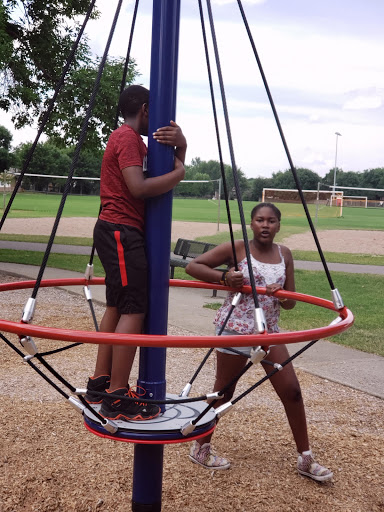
(148, 459)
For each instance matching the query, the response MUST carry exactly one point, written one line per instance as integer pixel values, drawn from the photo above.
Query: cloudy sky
(323, 62)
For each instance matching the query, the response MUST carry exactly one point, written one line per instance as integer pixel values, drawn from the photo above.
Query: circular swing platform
(164, 429)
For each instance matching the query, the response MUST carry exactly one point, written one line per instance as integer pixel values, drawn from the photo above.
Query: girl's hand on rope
(235, 278)
(171, 136)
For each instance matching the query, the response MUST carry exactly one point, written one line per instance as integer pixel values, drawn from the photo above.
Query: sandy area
(83, 227)
(50, 463)
(349, 241)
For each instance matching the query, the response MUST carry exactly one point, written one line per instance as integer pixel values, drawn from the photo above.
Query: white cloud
(365, 100)
(322, 80)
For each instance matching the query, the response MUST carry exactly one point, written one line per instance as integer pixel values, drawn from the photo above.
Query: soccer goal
(355, 201)
(373, 199)
(320, 198)
(291, 195)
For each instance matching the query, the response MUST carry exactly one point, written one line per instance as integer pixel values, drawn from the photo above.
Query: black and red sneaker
(114, 408)
(95, 387)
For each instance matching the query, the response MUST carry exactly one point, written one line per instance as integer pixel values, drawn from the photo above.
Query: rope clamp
(258, 354)
(215, 395)
(236, 299)
(110, 426)
(78, 406)
(186, 390)
(223, 409)
(337, 300)
(87, 293)
(188, 428)
(29, 345)
(29, 310)
(260, 322)
(89, 272)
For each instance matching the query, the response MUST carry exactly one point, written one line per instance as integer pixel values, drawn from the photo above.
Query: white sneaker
(307, 466)
(203, 455)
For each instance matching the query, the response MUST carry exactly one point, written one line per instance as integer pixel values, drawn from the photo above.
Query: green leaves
(36, 38)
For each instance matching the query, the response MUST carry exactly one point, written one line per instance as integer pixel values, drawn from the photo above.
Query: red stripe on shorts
(120, 255)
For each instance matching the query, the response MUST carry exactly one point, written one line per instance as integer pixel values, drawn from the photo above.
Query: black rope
(57, 350)
(32, 365)
(69, 386)
(170, 401)
(125, 71)
(234, 167)
(293, 169)
(47, 113)
(122, 86)
(221, 392)
(93, 315)
(92, 255)
(48, 367)
(194, 376)
(257, 384)
(272, 373)
(211, 349)
(222, 170)
(77, 152)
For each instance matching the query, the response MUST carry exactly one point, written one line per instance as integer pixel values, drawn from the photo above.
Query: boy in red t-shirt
(119, 241)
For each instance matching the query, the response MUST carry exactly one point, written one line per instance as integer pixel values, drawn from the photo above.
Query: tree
(345, 178)
(212, 168)
(256, 187)
(48, 159)
(36, 39)
(88, 166)
(370, 178)
(37, 36)
(66, 121)
(5, 146)
(373, 178)
(308, 179)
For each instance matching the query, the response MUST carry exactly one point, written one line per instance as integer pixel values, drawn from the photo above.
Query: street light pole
(334, 172)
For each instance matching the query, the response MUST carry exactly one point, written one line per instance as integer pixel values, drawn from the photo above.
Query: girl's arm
(204, 266)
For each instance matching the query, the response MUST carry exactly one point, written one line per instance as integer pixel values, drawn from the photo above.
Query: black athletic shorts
(121, 251)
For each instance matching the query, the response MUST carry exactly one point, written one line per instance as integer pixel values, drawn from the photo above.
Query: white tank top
(242, 317)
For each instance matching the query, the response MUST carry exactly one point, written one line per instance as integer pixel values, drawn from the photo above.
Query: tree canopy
(202, 170)
(36, 38)
(51, 160)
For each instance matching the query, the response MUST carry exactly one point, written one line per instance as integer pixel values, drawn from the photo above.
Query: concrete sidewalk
(304, 265)
(358, 370)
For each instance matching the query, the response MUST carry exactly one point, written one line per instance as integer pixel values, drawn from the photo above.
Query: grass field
(201, 210)
(361, 292)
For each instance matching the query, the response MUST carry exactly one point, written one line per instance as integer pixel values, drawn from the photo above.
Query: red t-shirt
(125, 148)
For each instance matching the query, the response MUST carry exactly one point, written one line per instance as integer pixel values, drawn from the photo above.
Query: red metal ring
(156, 340)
